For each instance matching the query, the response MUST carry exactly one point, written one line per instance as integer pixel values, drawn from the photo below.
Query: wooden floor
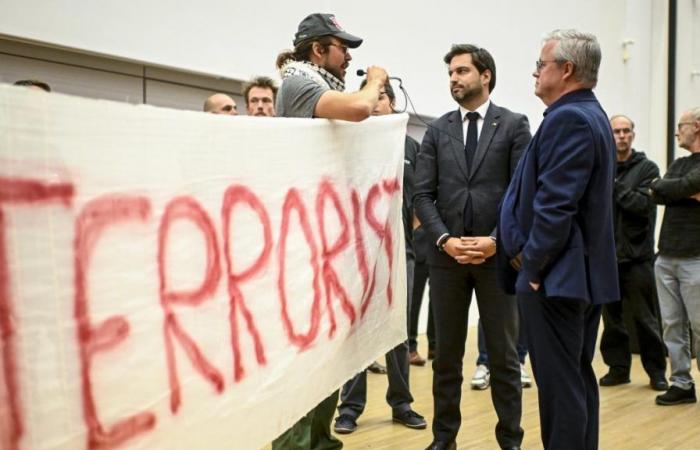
(629, 418)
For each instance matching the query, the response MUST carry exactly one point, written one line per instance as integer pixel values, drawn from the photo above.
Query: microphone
(362, 73)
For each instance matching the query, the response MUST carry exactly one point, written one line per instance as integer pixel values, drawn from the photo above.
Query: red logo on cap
(335, 22)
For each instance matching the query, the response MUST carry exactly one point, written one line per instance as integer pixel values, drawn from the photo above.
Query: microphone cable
(408, 101)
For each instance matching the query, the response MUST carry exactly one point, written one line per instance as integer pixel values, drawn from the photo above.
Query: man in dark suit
(464, 166)
(557, 250)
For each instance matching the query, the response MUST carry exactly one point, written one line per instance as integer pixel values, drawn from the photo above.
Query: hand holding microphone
(368, 72)
(374, 74)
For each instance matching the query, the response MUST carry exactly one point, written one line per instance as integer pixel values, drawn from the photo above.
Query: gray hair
(580, 48)
(695, 113)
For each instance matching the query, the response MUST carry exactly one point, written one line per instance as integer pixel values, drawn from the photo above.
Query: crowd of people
(550, 232)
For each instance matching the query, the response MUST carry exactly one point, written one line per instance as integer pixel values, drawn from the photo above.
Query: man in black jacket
(634, 215)
(353, 397)
(678, 266)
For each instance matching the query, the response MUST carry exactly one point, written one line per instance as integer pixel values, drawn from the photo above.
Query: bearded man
(465, 164)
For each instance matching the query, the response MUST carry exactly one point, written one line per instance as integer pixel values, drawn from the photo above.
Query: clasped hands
(470, 249)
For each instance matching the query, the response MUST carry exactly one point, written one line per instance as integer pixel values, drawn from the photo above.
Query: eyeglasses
(622, 130)
(680, 124)
(343, 48)
(539, 64)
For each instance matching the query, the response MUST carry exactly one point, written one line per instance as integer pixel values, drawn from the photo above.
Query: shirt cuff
(442, 236)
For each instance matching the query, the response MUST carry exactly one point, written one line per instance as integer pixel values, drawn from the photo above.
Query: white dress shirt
(479, 123)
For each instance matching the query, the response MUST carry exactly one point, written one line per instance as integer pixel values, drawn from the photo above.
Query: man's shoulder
(297, 96)
(447, 117)
(293, 83)
(681, 161)
(570, 115)
(642, 160)
(568, 110)
(506, 113)
(441, 123)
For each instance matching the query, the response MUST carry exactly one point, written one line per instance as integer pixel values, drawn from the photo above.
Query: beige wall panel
(72, 80)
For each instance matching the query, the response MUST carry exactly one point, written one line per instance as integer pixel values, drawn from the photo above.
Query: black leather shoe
(613, 379)
(410, 419)
(676, 396)
(439, 445)
(344, 424)
(515, 447)
(659, 384)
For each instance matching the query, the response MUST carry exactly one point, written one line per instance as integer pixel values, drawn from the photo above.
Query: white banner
(179, 280)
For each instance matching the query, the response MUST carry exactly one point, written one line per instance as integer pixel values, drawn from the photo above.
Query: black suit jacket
(411, 150)
(443, 183)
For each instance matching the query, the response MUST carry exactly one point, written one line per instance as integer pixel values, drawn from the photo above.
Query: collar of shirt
(479, 123)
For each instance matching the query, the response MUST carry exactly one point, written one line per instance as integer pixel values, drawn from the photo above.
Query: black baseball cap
(318, 24)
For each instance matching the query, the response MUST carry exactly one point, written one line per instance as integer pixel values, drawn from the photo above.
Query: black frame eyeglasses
(539, 64)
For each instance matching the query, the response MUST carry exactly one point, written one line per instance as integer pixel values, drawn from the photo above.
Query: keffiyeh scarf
(312, 72)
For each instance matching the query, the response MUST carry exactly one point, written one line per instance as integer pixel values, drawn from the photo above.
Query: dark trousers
(483, 357)
(638, 291)
(420, 278)
(353, 396)
(450, 292)
(561, 338)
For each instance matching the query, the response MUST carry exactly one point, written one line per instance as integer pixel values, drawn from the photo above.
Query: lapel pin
(494, 124)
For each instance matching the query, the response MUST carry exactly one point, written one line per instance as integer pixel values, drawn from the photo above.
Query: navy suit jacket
(557, 210)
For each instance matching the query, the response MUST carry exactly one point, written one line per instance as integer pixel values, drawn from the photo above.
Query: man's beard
(467, 94)
(336, 71)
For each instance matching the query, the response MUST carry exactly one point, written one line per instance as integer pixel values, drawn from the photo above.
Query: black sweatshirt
(680, 229)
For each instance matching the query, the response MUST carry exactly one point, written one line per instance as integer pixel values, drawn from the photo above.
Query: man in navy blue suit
(556, 248)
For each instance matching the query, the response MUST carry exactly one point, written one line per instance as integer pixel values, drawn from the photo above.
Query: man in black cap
(313, 74)
(313, 81)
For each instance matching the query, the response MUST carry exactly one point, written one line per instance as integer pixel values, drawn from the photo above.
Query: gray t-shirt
(297, 97)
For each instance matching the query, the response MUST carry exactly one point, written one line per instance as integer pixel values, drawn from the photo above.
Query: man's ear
(569, 69)
(485, 77)
(318, 49)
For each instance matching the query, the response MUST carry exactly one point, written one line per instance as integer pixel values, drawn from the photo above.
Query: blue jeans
(678, 283)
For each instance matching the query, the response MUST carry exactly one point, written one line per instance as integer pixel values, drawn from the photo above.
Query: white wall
(688, 63)
(237, 39)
